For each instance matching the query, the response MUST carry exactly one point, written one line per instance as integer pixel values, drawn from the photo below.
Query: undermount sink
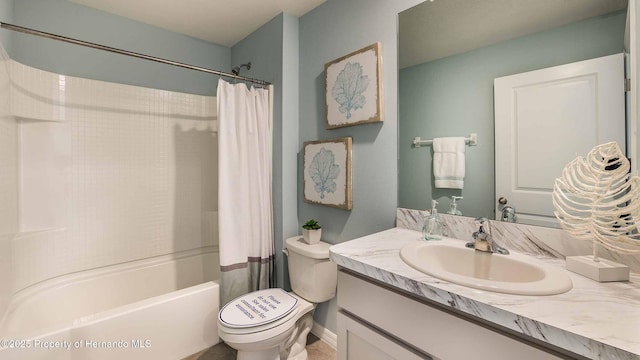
(451, 261)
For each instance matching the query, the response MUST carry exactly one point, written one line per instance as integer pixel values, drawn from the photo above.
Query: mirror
(450, 51)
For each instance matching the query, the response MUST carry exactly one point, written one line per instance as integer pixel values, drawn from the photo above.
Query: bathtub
(160, 308)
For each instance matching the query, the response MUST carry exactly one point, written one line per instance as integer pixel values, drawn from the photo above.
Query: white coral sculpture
(597, 199)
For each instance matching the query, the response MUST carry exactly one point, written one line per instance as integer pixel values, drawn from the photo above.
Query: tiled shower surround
(8, 184)
(108, 173)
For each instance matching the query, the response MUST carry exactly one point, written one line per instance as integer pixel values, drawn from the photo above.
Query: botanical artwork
(354, 88)
(349, 87)
(596, 199)
(327, 172)
(324, 171)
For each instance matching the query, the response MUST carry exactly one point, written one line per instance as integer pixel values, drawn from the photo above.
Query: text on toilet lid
(261, 303)
(254, 309)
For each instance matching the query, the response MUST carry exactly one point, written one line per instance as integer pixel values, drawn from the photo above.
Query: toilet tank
(313, 277)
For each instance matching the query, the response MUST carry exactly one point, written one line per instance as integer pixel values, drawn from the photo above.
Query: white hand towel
(448, 162)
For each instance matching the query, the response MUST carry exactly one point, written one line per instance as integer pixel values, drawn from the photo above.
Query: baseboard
(325, 335)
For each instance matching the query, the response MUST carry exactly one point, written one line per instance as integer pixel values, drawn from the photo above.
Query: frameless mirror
(450, 53)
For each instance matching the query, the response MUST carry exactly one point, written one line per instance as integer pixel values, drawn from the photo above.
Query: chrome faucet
(483, 241)
(509, 214)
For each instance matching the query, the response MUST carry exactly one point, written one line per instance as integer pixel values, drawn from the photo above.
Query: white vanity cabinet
(357, 340)
(376, 322)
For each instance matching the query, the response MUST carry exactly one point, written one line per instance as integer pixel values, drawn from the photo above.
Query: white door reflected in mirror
(543, 119)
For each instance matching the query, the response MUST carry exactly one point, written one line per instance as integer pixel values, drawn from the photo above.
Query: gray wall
(69, 19)
(330, 31)
(454, 97)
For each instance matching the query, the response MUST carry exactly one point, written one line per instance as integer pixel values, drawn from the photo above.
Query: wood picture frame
(327, 172)
(353, 88)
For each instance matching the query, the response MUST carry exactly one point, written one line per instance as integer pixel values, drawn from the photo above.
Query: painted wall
(454, 97)
(69, 19)
(330, 31)
(273, 53)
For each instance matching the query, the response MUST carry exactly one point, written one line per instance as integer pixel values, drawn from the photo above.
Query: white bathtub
(160, 308)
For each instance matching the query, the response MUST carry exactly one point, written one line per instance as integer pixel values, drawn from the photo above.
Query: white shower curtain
(245, 118)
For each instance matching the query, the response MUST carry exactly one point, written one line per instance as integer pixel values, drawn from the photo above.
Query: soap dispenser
(433, 228)
(454, 206)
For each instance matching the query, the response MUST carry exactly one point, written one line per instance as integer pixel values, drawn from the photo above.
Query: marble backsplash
(533, 240)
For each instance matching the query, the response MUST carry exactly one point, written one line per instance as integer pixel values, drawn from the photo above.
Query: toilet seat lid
(257, 308)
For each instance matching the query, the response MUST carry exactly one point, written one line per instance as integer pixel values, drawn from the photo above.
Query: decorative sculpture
(597, 199)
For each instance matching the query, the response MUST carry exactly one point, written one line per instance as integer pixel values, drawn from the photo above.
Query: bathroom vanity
(387, 310)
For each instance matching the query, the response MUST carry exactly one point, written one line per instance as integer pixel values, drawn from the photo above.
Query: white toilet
(272, 324)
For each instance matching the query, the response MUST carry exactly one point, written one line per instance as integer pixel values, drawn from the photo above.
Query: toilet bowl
(273, 324)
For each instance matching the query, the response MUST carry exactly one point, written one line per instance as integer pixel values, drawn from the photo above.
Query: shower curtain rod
(128, 53)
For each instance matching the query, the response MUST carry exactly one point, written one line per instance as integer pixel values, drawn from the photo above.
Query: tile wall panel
(8, 184)
(141, 173)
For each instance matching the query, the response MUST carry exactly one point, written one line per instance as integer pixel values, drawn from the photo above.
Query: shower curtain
(245, 118)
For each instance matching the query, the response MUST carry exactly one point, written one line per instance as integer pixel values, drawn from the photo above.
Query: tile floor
(316, 349)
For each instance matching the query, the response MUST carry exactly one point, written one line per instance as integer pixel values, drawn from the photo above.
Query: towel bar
(472, 140)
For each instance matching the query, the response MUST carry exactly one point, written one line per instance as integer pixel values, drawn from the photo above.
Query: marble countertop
(595, 320)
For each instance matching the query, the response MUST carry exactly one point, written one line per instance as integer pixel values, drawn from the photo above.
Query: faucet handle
(482, 225)
(483, 238)
(509, 214)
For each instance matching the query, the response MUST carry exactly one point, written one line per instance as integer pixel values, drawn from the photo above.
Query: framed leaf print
(353, 87)
(327, 172)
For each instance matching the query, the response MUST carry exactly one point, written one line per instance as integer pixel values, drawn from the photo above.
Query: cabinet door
(357, 341)
(417, 325)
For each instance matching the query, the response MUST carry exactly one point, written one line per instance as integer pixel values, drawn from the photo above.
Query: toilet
(273, 324)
